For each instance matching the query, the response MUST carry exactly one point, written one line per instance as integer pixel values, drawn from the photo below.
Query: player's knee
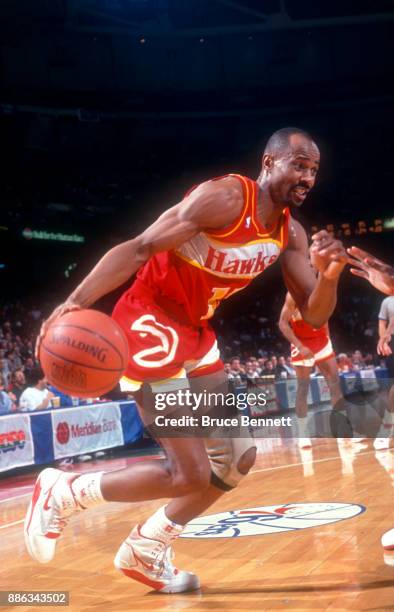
(191, 480)
(231, 459)
(247, 461)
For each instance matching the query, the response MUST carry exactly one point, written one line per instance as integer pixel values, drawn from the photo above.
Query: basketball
(84, 353)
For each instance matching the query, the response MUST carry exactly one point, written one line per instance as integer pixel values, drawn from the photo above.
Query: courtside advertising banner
(83, 430)
(291, 393)
(16, 442)
(324, 390)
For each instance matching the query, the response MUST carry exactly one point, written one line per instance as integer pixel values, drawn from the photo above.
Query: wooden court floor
(333, 566)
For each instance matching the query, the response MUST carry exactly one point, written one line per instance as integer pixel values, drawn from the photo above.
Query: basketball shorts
(162, 351)
(321, 348)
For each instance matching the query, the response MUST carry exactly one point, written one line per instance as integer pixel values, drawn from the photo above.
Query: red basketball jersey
(191, 281)
(304, 331)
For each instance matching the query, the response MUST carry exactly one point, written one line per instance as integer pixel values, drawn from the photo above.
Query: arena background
(110, 110)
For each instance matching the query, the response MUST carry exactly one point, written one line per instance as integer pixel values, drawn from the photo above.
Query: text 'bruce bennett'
(207, 421)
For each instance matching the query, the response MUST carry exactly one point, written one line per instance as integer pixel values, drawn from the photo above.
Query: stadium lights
(69, 269)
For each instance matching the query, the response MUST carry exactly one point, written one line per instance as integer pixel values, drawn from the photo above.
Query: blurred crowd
(280, 367)
(255, 331)
(251, 347)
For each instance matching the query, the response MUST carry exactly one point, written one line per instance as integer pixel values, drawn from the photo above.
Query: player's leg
(184, 509)
(146, 554)
(303, 379)
(339, 421)
(58, 495)
(185, 470)
(329, 369)
(230, 460)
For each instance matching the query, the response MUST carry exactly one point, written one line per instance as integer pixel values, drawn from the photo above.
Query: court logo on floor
(269, 519)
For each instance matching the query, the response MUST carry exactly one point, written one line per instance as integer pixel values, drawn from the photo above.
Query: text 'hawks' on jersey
(214, 264)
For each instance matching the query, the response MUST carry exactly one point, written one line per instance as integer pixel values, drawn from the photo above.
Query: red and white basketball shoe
(51, 506)
(388, 540)
(150, 562)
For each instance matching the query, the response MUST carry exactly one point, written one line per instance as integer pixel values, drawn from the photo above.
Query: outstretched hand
(374, 270)
(58, 312)
(328, 255)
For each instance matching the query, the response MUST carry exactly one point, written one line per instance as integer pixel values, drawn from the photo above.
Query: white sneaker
(304, 443)
(388, 540)
(149, 561)
(51, 506)
(381, 443)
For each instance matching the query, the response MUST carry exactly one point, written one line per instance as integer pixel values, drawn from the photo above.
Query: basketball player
(309, 345)
(381, 276)
(213, 243)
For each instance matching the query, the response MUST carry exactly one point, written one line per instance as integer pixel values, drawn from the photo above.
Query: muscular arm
(315, 297)
(284, 321)
(214, 204)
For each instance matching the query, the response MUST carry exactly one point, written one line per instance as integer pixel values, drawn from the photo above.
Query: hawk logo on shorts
(269, 519)
(169, 340)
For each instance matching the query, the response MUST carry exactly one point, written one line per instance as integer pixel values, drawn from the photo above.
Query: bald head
(281, 140)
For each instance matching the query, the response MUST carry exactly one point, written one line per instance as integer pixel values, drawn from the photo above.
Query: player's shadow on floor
(284, 593)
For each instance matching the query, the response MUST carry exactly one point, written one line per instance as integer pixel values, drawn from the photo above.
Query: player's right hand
(305, 352)
(59, 311)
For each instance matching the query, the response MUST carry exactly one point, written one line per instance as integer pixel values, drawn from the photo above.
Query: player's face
(294, 171)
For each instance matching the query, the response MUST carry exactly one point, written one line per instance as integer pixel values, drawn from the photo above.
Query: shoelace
(163, 558)
(59, 521)
(57, 524)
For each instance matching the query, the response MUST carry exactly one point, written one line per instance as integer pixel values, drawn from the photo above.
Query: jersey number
(218, 294)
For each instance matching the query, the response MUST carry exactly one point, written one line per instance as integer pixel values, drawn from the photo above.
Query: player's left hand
(328, 255)
(374, 270)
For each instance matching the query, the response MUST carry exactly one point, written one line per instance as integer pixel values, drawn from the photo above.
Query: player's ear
(267, 162)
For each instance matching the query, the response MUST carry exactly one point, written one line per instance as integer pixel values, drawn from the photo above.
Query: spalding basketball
(84, 353)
